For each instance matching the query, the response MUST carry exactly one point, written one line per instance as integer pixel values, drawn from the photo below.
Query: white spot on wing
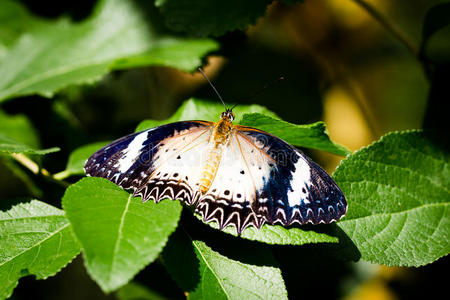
(132, 152)
(300, 178)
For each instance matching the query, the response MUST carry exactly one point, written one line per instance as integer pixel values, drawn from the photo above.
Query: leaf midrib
(211, 269)
(119, 237)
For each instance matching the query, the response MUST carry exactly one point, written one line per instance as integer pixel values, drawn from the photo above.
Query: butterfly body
(218, 141)
(235, 175)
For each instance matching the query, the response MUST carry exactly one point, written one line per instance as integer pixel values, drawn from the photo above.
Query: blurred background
(339, 65)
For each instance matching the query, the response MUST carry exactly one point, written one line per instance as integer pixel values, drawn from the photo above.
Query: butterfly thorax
(218, 141)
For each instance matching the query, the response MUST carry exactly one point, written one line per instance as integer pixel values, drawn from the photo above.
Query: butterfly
(236, 175)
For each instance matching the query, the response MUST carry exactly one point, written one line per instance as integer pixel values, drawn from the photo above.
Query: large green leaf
(203, 17)
(14, 20)
(206, 274)
(117, 35)
(35, 238)
(398, 191)
(120, 235)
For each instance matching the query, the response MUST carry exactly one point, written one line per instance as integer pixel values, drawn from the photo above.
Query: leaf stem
(35, 168)
(61, 175)
(389, 26)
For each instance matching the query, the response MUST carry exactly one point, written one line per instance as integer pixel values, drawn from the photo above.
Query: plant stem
(389, 26)
(35, 168)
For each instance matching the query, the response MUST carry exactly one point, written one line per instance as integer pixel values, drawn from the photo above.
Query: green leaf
(64, 53)
(14, 20)
(19, 128)
(206, 274)
(196, 109)
(279, 235)
(77, 159)
(311, 135)
(35, 238)
(120, 235)
(17, 135)
(136, 291)
(203, 17)
(398, 194)
(8, 145)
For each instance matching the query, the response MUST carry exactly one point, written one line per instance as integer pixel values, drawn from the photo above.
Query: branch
(389, 26)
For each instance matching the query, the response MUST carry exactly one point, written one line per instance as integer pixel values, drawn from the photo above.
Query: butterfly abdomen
(220, 138)
(210, 170)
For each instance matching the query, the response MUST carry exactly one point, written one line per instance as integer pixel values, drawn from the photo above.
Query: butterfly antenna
(210, 83)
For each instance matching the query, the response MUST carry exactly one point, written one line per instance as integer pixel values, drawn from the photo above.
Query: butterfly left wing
(157, 163)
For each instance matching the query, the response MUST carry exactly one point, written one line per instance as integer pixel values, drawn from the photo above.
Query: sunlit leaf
(206, 274)
(118, 35)
(310, 135)
(398, 194)
(120, 235)
(35, 239)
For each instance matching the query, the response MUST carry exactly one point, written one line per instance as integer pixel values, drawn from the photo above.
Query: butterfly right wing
(161, 162)
(290, 187)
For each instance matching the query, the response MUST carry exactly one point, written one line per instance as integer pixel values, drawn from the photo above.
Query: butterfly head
(227, 115)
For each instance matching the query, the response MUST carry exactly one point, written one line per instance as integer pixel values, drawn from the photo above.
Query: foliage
(399, 192)
(65, 53)
(128, 234)
(397, 188)
(35, 238)
(205, 273)
(17, 135)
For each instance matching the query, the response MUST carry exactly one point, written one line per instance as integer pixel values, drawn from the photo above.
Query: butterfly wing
(289, 187)
(162, 162)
